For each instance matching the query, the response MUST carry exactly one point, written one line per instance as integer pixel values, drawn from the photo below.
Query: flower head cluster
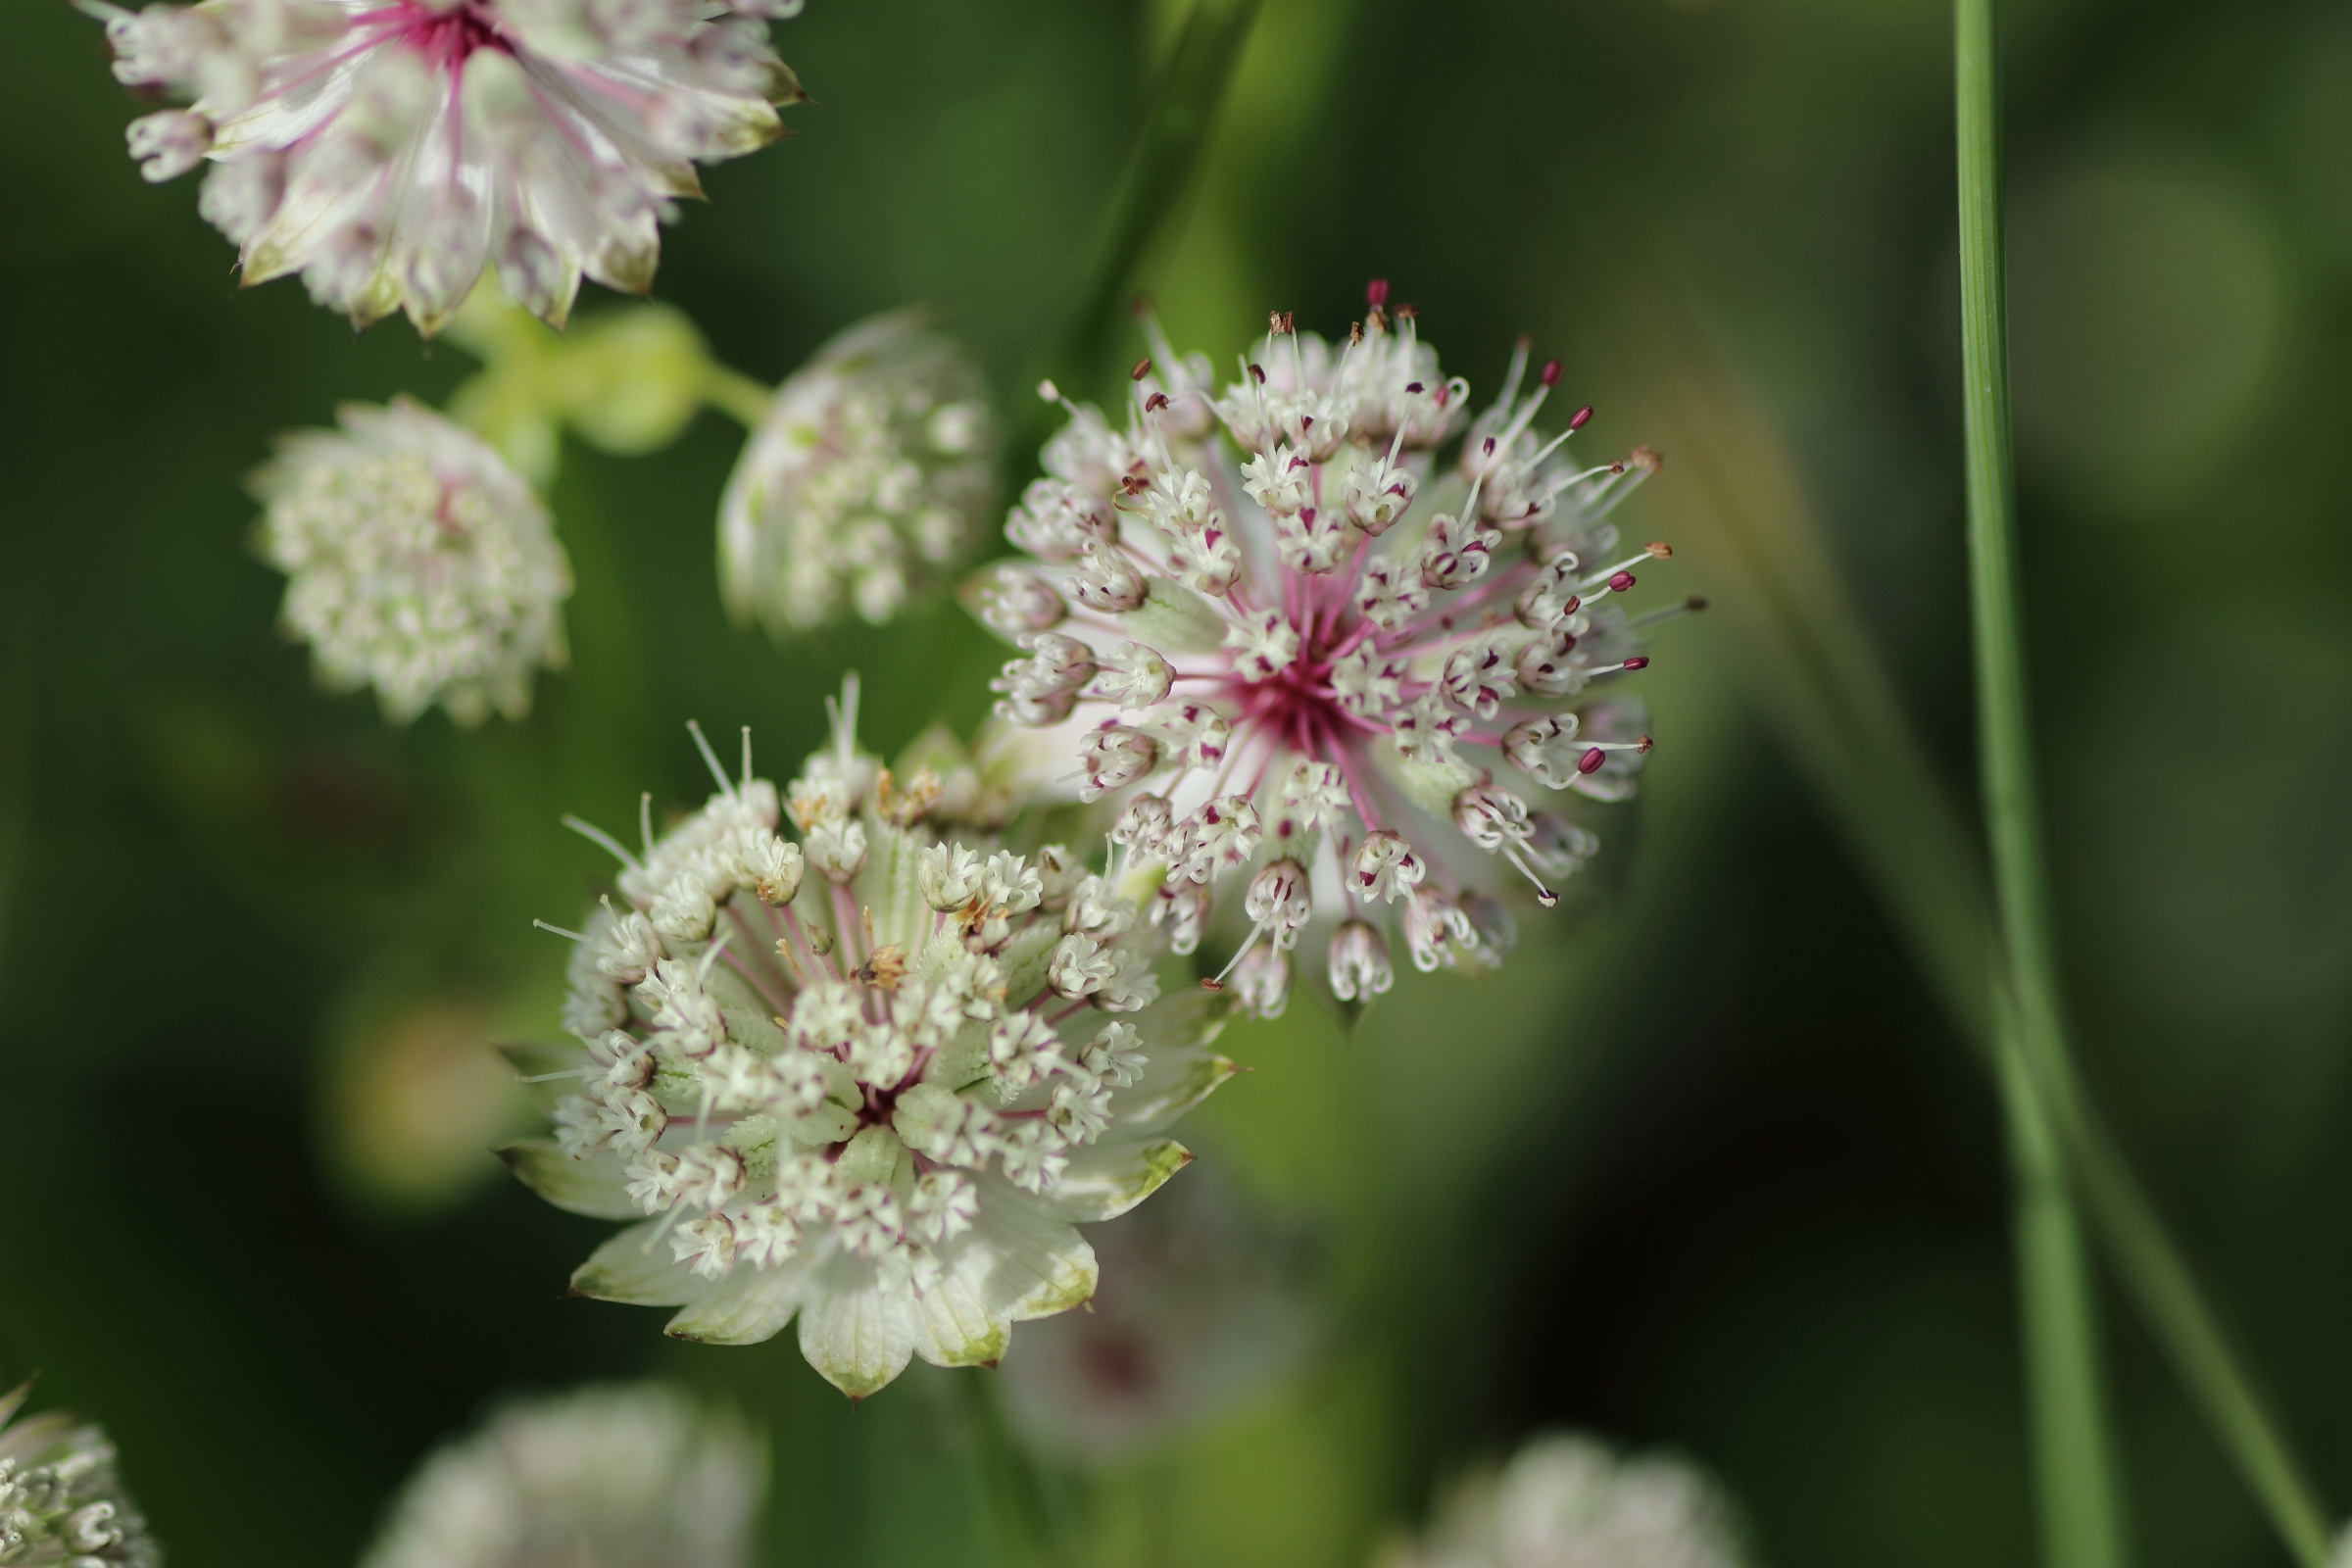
(627, 1476)
(1567, 1502)
(872, 1076)
(1296, 653)
(420, 565)
(865, 479)
(61, 1501)
(389, 150)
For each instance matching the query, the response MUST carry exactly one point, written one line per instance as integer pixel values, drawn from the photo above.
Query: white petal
(857, 1336)
(594, 1186)
(1173, 1083)
(750, 1305)
(626, 1269)
(953, 1323)
(1107, 1179)
(1041, 1264)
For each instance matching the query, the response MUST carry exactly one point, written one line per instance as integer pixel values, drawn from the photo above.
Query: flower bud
(1360, 962)
(1114, 756)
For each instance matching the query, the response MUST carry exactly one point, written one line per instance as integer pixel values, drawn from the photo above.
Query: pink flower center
(445, 37)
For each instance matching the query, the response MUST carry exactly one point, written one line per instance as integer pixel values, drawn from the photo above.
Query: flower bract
(864, 483)
(389, 150)
(871, 1076)
(61, 1501)
(624, 1476)
(1304, 661)
(420, 565)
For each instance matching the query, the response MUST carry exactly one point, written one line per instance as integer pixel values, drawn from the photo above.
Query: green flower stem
(736, 395)
(1174, 138)
(2173, 1307)
(2082, 1519)
(1813, 674)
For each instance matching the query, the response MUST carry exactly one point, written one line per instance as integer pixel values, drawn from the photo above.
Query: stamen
(601, 840)
(1544, 894)
(1218, 984)
(558, 930)
(711, 957)
(746, 757)
(710, 759)
(645, 821)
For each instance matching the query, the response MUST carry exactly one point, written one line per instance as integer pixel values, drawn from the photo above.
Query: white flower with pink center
(1360, 675)
(871, 1081)
(390, 150)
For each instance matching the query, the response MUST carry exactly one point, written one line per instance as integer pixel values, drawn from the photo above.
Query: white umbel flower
(864, 481)
(389, 150)
(1567, 1502)
(624, 1476)
(873, 1078)
(420, 563)
(1305, 663)
(61, 1501)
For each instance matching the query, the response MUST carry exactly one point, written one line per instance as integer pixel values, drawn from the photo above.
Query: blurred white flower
(1206, 1302)
(420, 563)
(389, 150)
(1568, 1501)
(627, 1476)
(864, 481)
(1311, 652)
(61, 1501)
(873, 1078)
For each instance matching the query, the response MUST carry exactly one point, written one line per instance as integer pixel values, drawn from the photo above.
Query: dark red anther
(1488, 450)
(1644, 744)
(1307, 514)
(1591, 761)
(1571, 608)
(1637, 662)
(1578, 420)
(1551, 372)
(1620, 582)
(1414, 387)
(1376, 292)
(1257, 376)
(1307, 422)
(1142, 367)
(1155, 401)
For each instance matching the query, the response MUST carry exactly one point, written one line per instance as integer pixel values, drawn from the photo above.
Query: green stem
(2081, 1521)
(2174, 1309)
(1812, 670)
(1175, 135)
(736, 395)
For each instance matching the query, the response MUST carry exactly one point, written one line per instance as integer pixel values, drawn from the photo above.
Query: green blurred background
(1719, 1176)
